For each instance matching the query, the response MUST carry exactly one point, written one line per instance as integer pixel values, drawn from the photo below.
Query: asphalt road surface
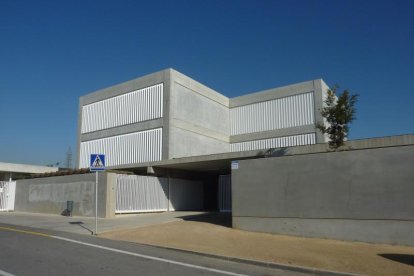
(26, 251)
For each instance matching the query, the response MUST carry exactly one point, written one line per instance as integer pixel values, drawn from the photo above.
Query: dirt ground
(216, 238)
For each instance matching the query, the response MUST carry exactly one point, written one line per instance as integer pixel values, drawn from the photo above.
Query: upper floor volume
(168, 115)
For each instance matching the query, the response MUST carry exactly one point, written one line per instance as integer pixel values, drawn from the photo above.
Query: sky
(53, 52)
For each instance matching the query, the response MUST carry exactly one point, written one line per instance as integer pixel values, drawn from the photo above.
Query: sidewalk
(86, 225)
(211, 234)
(201, 235)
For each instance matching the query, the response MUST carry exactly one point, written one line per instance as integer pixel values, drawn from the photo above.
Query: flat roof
(25, 168)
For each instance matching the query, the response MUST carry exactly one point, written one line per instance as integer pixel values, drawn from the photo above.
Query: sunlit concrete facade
(167, 115)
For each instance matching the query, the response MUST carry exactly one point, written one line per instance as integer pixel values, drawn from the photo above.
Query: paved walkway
(211, 234)
(86, 225)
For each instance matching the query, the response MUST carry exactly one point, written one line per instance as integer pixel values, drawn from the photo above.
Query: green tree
(339, 111)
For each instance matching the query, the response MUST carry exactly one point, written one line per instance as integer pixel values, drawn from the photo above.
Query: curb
(296, 268)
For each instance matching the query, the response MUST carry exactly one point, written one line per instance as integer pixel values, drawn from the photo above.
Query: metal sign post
(97, 164)
(96, 203)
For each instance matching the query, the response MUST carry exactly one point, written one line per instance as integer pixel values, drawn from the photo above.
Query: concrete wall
(186, 195)
(360, 195)
(199, 119)
(50, 194)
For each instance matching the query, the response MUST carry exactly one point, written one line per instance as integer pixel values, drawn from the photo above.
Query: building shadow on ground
(222, 219)
(401, 258)
(80, 223)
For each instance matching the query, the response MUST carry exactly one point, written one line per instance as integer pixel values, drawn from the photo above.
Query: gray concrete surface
(57, 253)
(86, 225)
(361, 195)
(186, 195)
(199, 119)
(141, 126)
(13, 170)
(50, 194)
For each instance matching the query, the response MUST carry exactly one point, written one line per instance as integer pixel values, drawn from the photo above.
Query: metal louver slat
(279, 113)
(133, 107)
(118, 149)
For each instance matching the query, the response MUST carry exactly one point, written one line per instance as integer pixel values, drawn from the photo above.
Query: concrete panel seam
(203, 95)
(125, 129)
(274, 97)
(291, 131)
(199, 130)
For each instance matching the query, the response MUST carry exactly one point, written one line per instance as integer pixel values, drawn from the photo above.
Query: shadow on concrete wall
(274, 152)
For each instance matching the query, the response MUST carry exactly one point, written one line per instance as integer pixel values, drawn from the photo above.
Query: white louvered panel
(133, 107)
(224, 193)
(136, 193)
(138, 147)
(279, 142)
(280, 113)
(7, 195)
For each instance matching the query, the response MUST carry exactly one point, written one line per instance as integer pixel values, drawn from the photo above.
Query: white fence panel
(136, 194)
(224, 193)
(133, 107)
(139, 194)
(137, 147)
(7, 195)
(292, 111)
(279, 142)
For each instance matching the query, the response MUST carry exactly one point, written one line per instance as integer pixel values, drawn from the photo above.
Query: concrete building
(183, 146)
(167, 115)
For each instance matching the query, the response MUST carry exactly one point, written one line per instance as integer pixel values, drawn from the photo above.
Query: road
(27, 251)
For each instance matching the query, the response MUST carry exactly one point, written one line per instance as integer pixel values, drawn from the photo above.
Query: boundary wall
(117, 193)
(364, 193)
(50, 194)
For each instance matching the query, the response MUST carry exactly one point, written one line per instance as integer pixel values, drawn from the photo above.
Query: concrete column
(168, 87)
(111, 186)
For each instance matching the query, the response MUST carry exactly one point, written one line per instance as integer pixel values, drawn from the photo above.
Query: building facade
(167, 115)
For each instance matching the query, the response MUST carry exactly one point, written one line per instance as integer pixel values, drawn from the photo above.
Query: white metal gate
(224, 193)
(138, 194)
(7, 195)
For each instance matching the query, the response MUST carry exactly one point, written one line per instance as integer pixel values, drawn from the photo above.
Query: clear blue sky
(52, 52)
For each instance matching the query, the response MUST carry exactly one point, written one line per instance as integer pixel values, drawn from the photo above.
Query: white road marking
(4, 273)
(149, 257)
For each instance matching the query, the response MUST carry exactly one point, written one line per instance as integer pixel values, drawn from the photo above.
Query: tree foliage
(339, 111)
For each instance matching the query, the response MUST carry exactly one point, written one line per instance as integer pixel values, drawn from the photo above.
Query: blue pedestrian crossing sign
(97, 162)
